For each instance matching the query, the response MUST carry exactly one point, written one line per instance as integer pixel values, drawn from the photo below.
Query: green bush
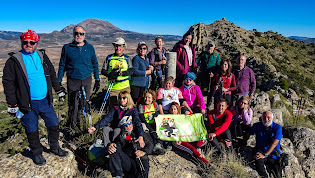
(258, 34)
(284, 84)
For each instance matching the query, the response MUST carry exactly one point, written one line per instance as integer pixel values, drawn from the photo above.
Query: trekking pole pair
(106, 97)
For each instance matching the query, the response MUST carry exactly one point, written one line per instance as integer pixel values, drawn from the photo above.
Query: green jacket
(207, 61)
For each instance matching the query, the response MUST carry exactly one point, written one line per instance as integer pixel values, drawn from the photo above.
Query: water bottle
(19, 114)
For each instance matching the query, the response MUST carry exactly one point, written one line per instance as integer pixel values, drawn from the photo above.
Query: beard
(267, 124)
(79, 40)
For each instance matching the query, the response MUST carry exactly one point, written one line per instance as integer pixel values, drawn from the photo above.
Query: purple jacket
(193, 96)
(245, 78)
(182, 64)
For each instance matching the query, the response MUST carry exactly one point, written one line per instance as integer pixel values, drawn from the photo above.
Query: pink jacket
(182, 64)
(193, 96)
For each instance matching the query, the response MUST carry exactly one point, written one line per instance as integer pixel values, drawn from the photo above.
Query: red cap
(30, 35)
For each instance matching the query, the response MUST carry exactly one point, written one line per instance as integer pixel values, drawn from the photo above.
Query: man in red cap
(28, 78)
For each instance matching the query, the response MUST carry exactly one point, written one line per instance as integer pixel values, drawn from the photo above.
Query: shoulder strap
(154, 105)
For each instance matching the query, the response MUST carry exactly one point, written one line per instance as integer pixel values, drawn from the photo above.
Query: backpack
(96, 152)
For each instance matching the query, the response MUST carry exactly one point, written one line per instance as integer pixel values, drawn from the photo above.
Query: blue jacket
(140, 65)
(78, 62)
(116, 114)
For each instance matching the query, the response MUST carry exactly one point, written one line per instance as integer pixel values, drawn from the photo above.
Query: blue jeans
(39, 108)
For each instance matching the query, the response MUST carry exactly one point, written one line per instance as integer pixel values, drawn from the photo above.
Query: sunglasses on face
(29, 42)
(188, 79)
(210, 46)
(122, 98)
(79, 33)
(125, 125)
(244, 103)
(143, 49)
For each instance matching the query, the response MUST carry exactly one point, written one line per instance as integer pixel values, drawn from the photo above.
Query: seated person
(126, 155)
(242, 116)
(188, 147)
(148, 110)
(125, 108)
(268, 135)
(219, 120)
(192, 94)
(168, 94)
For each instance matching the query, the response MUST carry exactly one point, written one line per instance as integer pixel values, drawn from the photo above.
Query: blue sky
(289, 18)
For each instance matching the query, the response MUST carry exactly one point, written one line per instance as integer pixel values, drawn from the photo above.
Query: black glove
(114, 75)
(62, 88)
(96, 85)
(62, 93)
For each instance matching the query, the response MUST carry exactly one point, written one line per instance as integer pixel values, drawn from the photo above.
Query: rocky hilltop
(280, 63)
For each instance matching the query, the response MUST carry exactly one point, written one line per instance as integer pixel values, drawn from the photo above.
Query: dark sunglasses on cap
(189, 79)
(129, 123)
(79, 33)
(122, 98)
(29, 42)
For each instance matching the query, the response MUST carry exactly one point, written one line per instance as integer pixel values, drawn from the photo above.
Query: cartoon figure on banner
(168, 128)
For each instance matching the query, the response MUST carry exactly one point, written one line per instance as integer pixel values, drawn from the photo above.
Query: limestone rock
(277, 114)
(21, 165)
(260, 103)
(172, 165)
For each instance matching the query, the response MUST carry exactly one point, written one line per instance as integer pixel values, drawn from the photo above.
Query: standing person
(141, 73)
(185, 58)
(28, 78)
(219, 120)
(268, 136)
(192, 94)
(188, 147)
(78, 60)
(224, 82)
(126, 155)
(245, 78)
(209, 62)
(118, 68)
(158, 60)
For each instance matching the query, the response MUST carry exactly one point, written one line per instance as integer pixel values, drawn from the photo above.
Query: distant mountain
(297, 37)
(97, 32)
(304, 39)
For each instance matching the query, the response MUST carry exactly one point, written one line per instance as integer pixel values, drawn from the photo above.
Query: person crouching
(126, 155)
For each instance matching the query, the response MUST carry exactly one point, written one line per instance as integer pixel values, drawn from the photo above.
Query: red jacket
(228, 81)
(221, 124)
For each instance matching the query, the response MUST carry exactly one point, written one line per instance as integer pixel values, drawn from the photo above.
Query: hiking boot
(60, 152)
(39, 160)
(158, 149)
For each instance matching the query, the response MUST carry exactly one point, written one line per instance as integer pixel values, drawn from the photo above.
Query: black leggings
(136, 92)
(224, 135)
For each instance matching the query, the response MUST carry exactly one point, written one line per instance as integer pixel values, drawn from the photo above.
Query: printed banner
(187, 128)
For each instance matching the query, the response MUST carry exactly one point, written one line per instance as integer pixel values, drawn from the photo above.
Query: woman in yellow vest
(148, 110)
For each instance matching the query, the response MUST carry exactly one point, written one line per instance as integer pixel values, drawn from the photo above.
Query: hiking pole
(217, 84)
(67, 145)
(142, 170)
(110, 86)
(58, 108)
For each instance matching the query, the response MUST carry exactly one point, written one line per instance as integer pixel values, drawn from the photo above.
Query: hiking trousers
(268, 164)
(73, 86)
(120, 164)
(225, 135)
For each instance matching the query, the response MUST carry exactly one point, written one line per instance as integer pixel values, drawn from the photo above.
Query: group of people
(129, 130)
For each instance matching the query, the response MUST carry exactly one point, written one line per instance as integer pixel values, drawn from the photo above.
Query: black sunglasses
(122, 98)
(30, 42)
(79, 33)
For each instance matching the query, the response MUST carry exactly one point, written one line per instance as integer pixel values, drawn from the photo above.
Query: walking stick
(142, 170)
(106, 97)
